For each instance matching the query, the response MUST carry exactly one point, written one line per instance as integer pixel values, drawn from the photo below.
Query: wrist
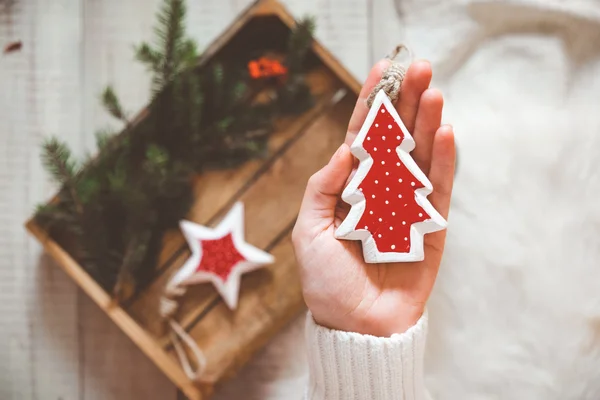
(373, 324)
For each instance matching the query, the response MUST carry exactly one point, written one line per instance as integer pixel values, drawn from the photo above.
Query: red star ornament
(390, 212)
(220, 255)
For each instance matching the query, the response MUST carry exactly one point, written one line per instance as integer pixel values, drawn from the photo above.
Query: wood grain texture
(55, 342)
(385, 29)
(39, 350)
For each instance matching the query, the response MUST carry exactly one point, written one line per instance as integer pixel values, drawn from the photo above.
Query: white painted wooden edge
(354, 197)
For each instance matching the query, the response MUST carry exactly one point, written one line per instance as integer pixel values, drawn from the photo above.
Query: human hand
(340, 289)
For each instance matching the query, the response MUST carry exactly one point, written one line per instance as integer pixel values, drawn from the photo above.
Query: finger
(361, 109)
(325, 187)
(443, 160)
(442, 178)
(429, 118)
(416, 81)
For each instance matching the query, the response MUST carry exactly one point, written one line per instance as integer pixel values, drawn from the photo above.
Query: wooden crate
(271, 190)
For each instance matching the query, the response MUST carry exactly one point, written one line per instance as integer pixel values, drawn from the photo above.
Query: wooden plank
(386, 29)
(216, 191)
(277, 371)
(117, 356)
(269, 297)
(38, 96)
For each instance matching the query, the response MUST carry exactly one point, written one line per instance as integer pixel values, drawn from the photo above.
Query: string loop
(392, 78)
(179, 337)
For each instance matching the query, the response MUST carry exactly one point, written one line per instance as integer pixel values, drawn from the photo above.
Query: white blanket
(516, 310)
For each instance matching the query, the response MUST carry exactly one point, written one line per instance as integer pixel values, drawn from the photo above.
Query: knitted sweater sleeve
(351, 366)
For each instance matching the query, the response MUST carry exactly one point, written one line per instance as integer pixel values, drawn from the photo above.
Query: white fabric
(350, 366)
(515, 313)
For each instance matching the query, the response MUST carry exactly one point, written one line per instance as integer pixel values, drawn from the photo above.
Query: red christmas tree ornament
(390, 212)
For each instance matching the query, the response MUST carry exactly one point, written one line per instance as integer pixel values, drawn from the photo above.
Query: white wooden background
(54, 342)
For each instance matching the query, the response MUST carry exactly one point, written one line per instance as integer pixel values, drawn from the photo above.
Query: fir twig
(58, 160)
(187, 55)
(103, 138)
(299, 43)
(111, 103)
(170, 31)
(173, 53)
(137, 248)
(147, 55)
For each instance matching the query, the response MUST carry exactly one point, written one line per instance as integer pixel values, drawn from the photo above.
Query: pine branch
(135, 253)
(157, 159)
(173, 52)
(299, 43)
(58, 160)
(117, 179)
(238, 92)
(147, 55)
(50, 215)
(111, 103)
(196, 102)
(170, 33)
(187, 55)
(218, 78)
(174, 14)
(103, 138)
(87, 188)
(46, 209)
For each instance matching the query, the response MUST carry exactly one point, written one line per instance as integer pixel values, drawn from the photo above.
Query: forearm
(350, 366)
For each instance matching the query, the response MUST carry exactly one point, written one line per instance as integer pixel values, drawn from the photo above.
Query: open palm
(341, 290)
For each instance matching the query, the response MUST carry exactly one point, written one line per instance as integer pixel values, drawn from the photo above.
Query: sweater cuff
(351, 366)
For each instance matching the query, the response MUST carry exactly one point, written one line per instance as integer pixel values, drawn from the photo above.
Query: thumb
(325, 187)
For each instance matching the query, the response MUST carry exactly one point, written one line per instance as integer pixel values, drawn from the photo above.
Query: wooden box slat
(271, 190)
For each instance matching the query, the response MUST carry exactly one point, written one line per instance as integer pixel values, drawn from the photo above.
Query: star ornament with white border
(390, 212)
(220, 255)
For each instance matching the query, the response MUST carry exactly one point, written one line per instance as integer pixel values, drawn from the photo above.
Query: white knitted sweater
(350, 366)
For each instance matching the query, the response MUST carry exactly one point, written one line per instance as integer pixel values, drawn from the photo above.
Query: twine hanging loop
(392, 78)
(179, 337)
